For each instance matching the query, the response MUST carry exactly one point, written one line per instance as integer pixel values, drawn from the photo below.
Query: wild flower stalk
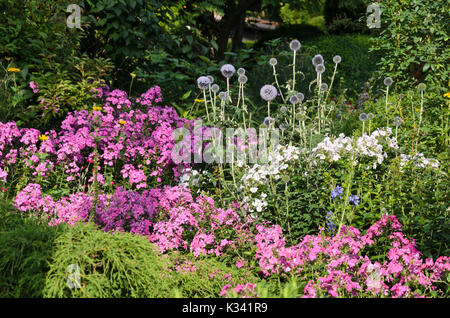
(363, 117)
(215, 89)
(388, 82)
(336, 59)
(228, 71)
(242, 80)
(397, 123)
(203, 82)
(273, 61)
(268, 93)
(294, 46)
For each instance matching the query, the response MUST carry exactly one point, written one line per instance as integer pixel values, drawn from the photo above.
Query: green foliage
(343, 16)
(414, 45)
(127, 265)
(26, 247)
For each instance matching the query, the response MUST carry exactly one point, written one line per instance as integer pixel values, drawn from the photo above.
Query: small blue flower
(353, 198)
(338, 191)
(331, 226)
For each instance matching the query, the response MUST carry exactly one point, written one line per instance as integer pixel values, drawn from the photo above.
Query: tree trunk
(238, 33)
(233, 15)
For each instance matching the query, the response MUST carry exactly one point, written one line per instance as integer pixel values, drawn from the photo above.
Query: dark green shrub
(26, 247)
(343, 16)
(288, 32)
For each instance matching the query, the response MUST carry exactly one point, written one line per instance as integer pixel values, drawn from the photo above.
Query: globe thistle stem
(387, 117)
(206, 104)
(278, 85)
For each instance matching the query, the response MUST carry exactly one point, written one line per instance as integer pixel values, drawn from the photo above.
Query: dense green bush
(343, 16)
(26, 247)
(127, 265)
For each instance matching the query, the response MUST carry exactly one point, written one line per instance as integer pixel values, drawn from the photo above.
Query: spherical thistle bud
(324, 87)
(273, 61)
(410, 94)
(283, 109)
(301, 97)
(269, 121)
(268, 92)
(370, 116)
(388, 81)
(241, 71)
(397, 121)
(227, 70)
(211, 79)
(294, 99)
(337, 59)
(295, 45)
(320, 68)
(317, 59)
(242, 79)
(203, 82)
(223, 95)
(283, 127)
(421, 87)
(215, 88)
(363, 117)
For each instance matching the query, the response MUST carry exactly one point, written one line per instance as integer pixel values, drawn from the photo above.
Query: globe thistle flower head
(295, 45)
(268, 121)
(215, 88)
(203, 82)
(370, 116)
(324, 87)
(421, 87)
(223, 95)
(211, 79)
(320, 68)
(283, 109)
(301, 97)
(397, 121)
(241, 71)
(294, 99)
(242, 79)
(268, 92)
(337, 59)
(363, 117)
(388, 81)
(273, 61)
(283, 127)
(227, 70)
(317, 59)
